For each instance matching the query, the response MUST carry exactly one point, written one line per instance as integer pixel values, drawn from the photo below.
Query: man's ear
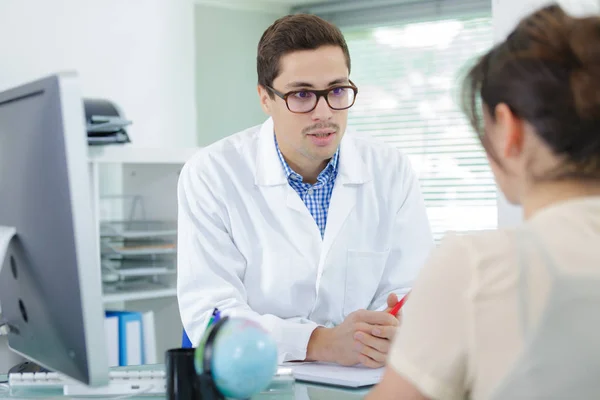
(265, 99)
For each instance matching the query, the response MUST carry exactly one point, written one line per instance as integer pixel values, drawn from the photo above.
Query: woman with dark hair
(515, 313)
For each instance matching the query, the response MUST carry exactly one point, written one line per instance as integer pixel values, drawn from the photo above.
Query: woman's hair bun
(548, 72)
(584, 43)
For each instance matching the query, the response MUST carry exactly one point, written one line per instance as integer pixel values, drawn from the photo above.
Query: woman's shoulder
(484, 243)
(490, 256)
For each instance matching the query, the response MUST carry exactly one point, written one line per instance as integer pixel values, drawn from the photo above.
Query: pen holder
(182, 380)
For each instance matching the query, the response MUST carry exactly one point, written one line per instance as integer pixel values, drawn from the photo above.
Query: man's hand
(376, 344)
(392, 300)
(363, 337)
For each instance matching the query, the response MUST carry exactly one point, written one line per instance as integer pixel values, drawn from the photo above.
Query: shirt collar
(328, 174)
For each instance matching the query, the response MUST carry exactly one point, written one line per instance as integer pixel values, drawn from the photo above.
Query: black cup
(182, 380)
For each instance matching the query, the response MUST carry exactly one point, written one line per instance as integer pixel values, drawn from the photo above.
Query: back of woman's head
(547, 72)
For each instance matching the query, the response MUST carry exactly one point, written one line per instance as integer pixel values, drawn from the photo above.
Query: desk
(288, 391)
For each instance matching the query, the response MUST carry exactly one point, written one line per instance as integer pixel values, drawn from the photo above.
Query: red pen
(398, 305)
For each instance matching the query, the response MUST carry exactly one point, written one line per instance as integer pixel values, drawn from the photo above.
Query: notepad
(332, 374)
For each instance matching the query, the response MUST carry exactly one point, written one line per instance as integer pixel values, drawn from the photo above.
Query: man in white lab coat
(309, 231)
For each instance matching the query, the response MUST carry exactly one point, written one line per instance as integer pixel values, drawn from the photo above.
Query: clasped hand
(364, 337)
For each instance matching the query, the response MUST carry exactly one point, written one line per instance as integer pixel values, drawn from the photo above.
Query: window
(408, 78)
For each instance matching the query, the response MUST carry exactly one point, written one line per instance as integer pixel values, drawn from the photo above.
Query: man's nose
(322, 112)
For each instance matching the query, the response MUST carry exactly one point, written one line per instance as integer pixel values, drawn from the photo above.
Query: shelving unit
(134, 195)
(127, 154)
(139, 295)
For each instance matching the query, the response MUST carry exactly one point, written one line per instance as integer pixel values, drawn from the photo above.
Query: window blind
(408, 78)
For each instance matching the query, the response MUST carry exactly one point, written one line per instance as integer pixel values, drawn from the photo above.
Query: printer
(105, 123)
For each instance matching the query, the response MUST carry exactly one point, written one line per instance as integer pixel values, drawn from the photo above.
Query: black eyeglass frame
(318, 93)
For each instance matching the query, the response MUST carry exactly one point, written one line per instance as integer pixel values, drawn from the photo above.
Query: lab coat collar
(269, 172)
(352, 169)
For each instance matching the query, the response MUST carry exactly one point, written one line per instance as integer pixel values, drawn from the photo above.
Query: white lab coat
(248, 245)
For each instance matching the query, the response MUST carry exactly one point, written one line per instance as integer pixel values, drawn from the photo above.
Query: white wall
(226, 43)
(506, 14)
(137, 53)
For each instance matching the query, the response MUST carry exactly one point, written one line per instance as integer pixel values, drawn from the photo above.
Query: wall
(226, 42)
(138, 53)
(506, 15)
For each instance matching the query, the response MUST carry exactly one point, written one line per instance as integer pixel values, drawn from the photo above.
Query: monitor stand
(7, 233)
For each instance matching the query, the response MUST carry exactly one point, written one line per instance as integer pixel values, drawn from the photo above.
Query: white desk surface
(287, 391)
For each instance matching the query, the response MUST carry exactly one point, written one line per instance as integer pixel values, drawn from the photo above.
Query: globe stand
(208, 389)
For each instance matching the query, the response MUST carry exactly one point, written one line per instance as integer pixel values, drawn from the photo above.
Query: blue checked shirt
(317, 196)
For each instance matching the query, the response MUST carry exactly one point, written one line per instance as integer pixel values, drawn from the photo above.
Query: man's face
(312, 137)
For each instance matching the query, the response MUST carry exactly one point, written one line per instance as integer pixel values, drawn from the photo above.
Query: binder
(149, 338)
(131, 337)
(111, 330)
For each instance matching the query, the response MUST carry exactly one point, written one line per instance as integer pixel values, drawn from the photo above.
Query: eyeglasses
(304, 101)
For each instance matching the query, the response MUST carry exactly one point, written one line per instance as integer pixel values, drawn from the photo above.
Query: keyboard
(124, 382)
(142, 381)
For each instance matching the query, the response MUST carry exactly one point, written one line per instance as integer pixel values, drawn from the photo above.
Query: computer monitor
(50, 280)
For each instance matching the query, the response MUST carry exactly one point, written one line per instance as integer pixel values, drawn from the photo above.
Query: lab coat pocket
(363, 274)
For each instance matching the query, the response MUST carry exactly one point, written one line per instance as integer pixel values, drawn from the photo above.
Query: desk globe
(244, 358)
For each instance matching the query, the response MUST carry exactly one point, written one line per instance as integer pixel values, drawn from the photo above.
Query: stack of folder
(130, 338)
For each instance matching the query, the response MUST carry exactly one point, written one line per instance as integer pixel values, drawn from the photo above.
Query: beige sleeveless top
(509, 314)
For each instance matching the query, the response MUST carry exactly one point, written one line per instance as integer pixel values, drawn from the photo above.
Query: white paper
(333, 374)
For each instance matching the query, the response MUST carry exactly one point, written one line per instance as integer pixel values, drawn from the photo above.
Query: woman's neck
(543, 195)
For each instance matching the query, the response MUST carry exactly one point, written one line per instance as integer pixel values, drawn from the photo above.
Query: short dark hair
(547, 72)
(291, 33)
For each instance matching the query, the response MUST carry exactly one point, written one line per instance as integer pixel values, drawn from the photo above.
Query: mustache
(321, 125)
